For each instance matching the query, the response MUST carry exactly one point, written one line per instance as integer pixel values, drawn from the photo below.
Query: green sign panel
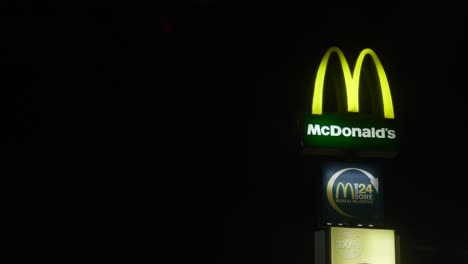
(331, 132)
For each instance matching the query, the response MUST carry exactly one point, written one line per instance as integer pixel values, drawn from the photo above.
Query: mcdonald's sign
(334, 132)
(352, 193)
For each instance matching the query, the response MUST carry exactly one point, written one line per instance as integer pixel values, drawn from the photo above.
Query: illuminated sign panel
(352, 193)
(365, 134)
(362, 245)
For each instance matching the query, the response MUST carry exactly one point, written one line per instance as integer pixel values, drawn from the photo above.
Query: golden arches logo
(352, 82)
(331, 182)
(344, 188)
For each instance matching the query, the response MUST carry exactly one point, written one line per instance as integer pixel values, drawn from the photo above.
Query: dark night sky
(184, 145)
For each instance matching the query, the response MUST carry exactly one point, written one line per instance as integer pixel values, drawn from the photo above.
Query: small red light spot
(165, 24)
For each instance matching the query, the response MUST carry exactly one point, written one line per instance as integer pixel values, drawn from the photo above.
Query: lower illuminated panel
(362, 246)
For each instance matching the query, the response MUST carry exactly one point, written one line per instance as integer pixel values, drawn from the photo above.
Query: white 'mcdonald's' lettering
(336, 131)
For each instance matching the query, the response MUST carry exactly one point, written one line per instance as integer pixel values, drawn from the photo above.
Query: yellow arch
(345, 190)
(352, 82)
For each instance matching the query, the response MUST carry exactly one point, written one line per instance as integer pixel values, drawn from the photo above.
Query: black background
(170, 132)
